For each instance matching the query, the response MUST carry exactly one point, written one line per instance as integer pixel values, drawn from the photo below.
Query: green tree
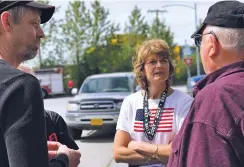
(135, 32)
(137, 27)
(100, 27)
(159, 30)
(75, 29)
(51, 51)
(101, 32)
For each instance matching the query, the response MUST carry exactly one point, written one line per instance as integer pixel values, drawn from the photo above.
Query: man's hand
(73, 155)
(53, 147)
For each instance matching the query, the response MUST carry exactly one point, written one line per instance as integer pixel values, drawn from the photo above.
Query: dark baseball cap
(46, 10)
(228, 14)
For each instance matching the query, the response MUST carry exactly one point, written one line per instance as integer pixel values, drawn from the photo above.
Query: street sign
(187, 51)
(187, 55)
(188, 61)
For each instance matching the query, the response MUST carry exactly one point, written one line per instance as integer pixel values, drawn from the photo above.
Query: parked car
(192, 81)
(97, 104)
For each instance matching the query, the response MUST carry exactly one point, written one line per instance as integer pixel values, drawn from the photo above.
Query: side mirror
(74, 91)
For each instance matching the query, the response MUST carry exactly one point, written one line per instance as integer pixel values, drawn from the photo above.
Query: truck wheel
(75, 133)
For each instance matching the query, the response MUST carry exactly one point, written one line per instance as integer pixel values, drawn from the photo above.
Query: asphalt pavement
(96, 146)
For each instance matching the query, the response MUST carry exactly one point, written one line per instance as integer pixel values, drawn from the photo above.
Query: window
(108, 84)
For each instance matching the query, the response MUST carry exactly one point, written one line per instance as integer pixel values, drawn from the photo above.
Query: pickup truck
(98, 101)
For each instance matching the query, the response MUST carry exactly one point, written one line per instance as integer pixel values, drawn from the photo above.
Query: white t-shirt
(131, 117)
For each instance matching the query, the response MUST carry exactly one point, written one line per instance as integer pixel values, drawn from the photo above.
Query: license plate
(96, 122)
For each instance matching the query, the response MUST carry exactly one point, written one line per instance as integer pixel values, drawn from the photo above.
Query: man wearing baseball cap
(212, 134)
(23, 141)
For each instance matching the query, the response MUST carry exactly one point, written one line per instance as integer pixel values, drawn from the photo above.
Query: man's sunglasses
(198, 38)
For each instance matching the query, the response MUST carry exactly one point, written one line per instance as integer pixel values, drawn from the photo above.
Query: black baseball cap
(46, 10)
(228, 14)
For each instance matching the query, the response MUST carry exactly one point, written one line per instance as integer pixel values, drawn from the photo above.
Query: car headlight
(118, 105)
(72, 107)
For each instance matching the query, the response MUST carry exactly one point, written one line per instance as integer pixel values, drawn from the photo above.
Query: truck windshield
(109, 84)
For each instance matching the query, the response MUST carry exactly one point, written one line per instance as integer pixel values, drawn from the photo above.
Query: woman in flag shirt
(151, 117)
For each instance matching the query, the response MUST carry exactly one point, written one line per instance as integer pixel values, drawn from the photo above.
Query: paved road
(95, 146)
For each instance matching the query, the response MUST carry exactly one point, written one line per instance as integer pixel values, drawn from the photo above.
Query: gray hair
(18, 12)
(229, 38)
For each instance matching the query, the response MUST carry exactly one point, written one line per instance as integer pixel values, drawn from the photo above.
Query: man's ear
(213, 46)
(6, 21)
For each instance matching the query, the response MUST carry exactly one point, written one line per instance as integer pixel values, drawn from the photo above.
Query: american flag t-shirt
(165, 124)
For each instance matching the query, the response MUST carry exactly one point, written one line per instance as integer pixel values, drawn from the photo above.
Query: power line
(157, 11)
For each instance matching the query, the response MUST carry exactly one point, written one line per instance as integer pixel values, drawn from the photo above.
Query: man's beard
(30, 53)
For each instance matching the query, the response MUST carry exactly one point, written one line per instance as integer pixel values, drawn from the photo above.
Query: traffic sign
(188, 61)
(187, 51)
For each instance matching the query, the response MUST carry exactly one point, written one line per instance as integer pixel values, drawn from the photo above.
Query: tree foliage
(159, 30)
(87, 42)
(51, 56)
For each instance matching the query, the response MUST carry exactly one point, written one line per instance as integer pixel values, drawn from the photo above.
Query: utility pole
(196, 25)
(188, 66)
(157, 11)
(197, 50)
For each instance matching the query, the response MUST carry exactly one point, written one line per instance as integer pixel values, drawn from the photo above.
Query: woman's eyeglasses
(198, 38)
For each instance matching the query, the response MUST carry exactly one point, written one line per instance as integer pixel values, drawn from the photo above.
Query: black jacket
(23, 140)
(57, 130)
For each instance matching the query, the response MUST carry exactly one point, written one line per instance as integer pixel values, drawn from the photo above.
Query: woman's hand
(142, 148)
(124, 149)
(156, 153)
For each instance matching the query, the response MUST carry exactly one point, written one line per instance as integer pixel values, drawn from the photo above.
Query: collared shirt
(212, 134)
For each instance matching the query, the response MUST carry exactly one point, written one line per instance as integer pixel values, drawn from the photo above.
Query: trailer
(51, 80)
